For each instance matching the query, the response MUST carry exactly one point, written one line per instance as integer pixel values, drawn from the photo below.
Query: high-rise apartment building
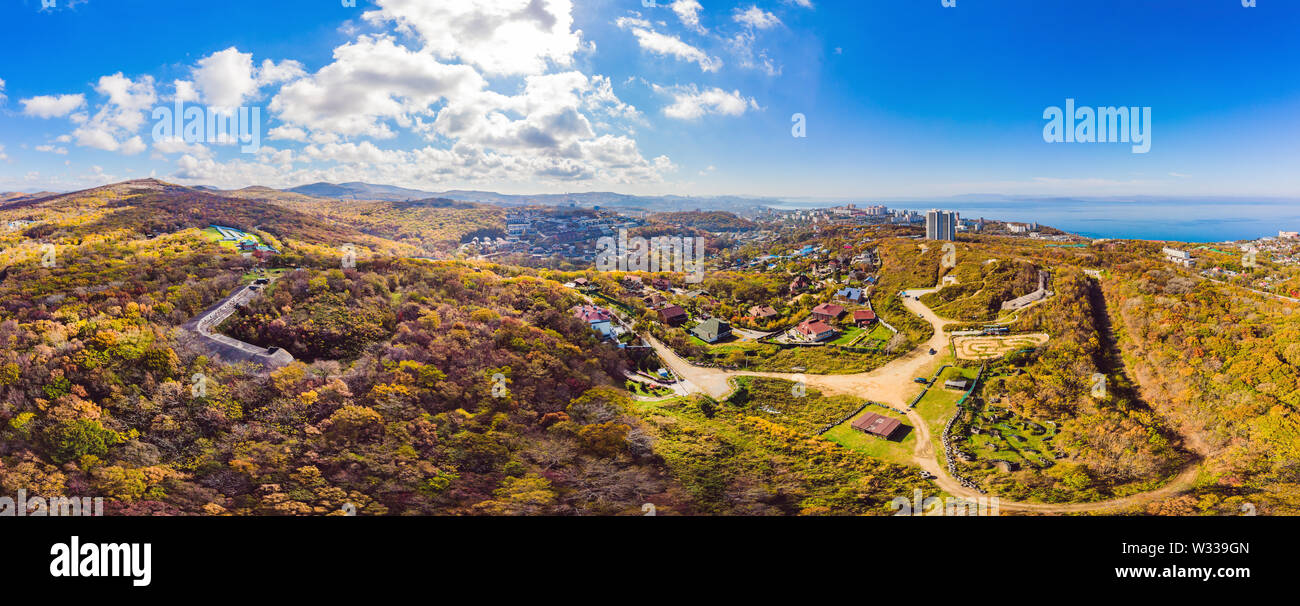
(940, 225)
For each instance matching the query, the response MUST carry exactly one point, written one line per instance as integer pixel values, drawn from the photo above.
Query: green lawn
(1018, 436)
(894, 452)
(848, 336)
(270, 273)
(214, 236)
(880, 333)
(642, 389)
(940, 403)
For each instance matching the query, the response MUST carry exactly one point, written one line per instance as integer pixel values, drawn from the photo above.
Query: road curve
(891, 384)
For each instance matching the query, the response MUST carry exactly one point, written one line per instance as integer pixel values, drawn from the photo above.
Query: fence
(947, 436)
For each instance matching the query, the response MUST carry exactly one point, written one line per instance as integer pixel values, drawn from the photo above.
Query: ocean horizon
(1198, 221)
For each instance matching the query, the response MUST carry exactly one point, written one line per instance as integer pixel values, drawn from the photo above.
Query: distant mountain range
(370, 191)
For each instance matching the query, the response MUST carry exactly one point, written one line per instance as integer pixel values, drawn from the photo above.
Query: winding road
(892, 384)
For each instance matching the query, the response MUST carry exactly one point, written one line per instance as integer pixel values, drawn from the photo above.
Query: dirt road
(892, 384)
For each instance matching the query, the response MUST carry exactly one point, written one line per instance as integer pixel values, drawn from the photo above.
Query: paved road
(892, 384)
(230, 349)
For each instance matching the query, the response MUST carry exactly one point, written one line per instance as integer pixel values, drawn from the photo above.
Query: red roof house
(673, 315)
(864, 317)
(591, 314)
(828, 311)
(815, 330)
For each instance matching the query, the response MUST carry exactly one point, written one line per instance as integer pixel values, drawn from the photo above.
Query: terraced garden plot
(1011, 438)
(991, 347)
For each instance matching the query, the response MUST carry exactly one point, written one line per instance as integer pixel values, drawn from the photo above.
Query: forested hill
(455, 389)
(148, 207)
(713, 221)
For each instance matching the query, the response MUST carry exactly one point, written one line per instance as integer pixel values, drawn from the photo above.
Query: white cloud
(275, 73)
(185, 91)
(507, 37)
(177, 145)
(288, 133)
(371, 81)
(742, 45)
(2, 91)
(801, 3)
(47, 106)
(52, 149)
(227, 79)
(133, 146)
(688, 12)
(756, 18)
(2, 153)
(490, 85)
(112, 128)
(689, 103)
(663, 44)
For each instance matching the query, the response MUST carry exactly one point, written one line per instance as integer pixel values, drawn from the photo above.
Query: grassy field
(848, 336)
(777, 401)
(214, 236)
(885, 450)
(940, 404)
(1022, 440)
(270, 273)
(642, 389)
(758, 455)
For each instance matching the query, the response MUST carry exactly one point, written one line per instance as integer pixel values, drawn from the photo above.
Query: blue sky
(902, 98)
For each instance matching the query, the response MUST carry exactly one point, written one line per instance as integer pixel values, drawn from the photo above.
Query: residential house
(799, 284)
(855, 295)
(599, 319)
(828, 312)
(712, 330)
(662, 283)
(673, 315)
(762, 312)
(815, 330)
(863, 318)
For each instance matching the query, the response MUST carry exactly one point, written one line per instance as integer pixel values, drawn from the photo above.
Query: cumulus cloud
(176, 145)
(496, 36)
(756, 18)
(688, 12)
(2, 92)
(185, 91)
(800, 3)
(47, 106)
(666, 45)
(552, 125)
(491, 86)
(227, 79)
(372, 80)
(52, 149)
(112, 128)
(690, 103)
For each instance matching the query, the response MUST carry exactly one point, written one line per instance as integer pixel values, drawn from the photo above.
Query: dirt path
(892, 384)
